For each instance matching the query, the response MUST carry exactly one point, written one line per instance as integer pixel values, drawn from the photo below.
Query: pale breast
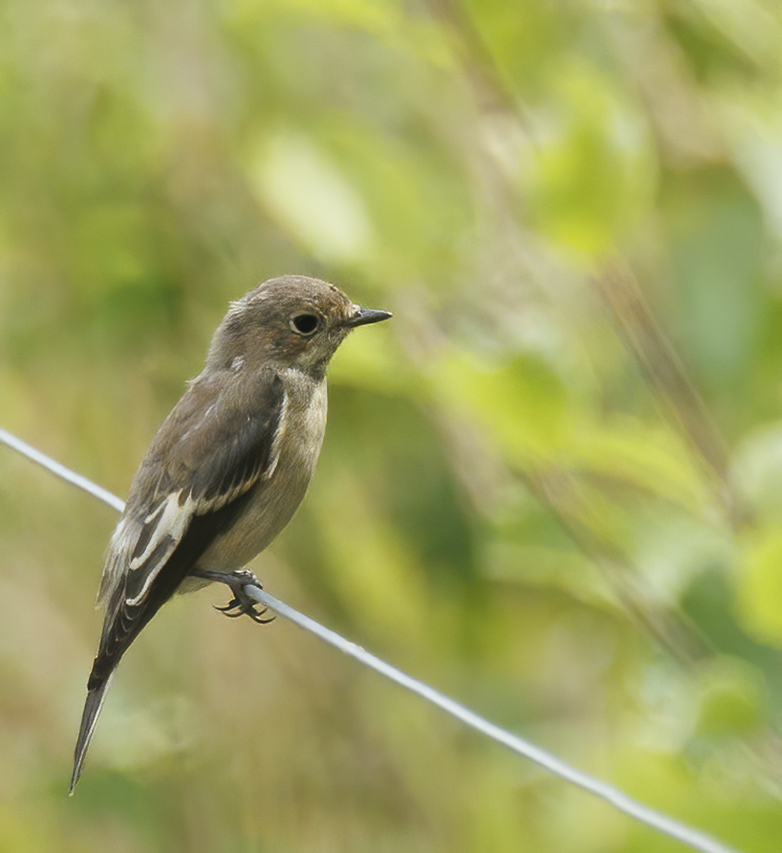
(280, 491)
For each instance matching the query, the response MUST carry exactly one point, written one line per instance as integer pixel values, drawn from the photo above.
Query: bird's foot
(241, 604)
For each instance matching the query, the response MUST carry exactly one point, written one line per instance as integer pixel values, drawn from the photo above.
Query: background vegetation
(551, 486)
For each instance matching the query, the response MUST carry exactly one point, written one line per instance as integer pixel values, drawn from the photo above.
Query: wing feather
(211, 452)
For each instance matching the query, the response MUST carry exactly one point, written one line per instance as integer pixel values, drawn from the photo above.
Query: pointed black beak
(365, 316)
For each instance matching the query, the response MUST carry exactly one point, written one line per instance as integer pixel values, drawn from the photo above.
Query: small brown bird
(228, 467)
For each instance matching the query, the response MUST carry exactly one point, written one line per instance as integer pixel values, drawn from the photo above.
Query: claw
(245, 608)
(241, 602)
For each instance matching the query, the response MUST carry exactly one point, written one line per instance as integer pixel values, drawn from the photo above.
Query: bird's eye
(305, 324)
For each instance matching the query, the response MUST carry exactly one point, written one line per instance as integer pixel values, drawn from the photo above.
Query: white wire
(640, 812)
(60, 470)
(692, 837)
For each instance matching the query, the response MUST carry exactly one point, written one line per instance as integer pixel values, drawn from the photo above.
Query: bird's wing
(211, 451)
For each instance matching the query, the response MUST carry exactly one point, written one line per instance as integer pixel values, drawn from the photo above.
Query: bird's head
(293, 320)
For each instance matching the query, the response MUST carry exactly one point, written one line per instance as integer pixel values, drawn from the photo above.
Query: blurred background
(551, 486)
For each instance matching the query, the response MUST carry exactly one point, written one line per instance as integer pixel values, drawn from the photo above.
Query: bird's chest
(276, 497)
(301, 429)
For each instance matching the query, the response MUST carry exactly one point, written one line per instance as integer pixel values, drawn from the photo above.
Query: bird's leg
(241, 603)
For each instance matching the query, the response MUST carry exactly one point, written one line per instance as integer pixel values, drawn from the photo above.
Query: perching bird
(227, 468)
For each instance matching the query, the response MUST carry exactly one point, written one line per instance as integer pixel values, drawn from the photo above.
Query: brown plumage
(229, 465)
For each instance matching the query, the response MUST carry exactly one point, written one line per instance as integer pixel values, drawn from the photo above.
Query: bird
(227, 468)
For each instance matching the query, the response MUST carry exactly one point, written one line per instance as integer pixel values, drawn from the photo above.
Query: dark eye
(305, 324)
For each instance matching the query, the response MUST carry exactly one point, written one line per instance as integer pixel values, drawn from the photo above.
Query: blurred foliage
(551, 486)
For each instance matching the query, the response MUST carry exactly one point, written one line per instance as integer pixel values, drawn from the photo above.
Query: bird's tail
(89, 718)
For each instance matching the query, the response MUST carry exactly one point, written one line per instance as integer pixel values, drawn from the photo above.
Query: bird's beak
(363, 316)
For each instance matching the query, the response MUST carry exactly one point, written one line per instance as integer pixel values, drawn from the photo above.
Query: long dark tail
(124, 621)
(89, 718)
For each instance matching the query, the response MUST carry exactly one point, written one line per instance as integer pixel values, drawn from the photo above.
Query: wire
(610, 794)
(60, 470)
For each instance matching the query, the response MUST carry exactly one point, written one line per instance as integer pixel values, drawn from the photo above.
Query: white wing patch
(172, 522)
(158, 533)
